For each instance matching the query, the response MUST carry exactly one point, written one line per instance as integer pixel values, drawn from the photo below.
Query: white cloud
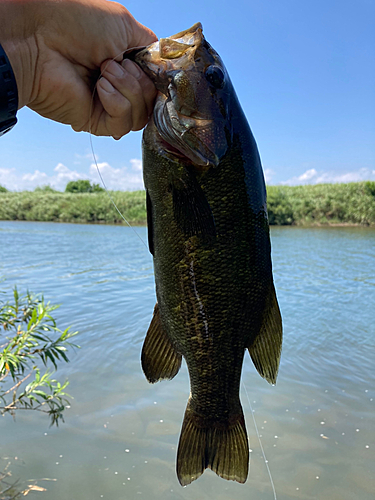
(29, 181)
(126, 179)
(121, 179)
(312, 176)
(309, 174)
(268, 174)
(36, 176)
(8, 177)
(136, 164)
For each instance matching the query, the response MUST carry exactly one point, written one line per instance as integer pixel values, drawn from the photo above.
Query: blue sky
(304, 72)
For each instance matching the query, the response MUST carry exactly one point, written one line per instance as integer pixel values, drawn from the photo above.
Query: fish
(208, 233)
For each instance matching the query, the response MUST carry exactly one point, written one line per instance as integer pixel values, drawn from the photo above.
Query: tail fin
(221, 446)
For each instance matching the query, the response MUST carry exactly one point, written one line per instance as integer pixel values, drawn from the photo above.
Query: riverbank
(321, 204)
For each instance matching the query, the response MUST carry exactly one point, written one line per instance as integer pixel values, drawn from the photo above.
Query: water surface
(120, 436)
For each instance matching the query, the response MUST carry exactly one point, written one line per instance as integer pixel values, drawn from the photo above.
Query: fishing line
(260, 443)
(92, 146)
(128, 223)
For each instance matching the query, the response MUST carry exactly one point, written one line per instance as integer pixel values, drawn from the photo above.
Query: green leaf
(39, 338)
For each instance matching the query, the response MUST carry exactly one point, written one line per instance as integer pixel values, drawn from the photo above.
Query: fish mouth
(132, 52)
(186, 123)
(190, 32)
(164, 56)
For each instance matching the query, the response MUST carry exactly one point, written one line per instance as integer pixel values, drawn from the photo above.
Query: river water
(120, 435)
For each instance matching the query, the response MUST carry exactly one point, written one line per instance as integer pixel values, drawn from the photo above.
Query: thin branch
(17, 384)
(35, 408)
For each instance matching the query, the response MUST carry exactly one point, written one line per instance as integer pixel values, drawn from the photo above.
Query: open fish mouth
(188, 113)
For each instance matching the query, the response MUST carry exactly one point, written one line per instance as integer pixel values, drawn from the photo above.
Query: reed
(320, 204)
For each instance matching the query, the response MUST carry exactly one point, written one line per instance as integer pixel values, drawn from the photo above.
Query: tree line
(83, 202)
(79, 186)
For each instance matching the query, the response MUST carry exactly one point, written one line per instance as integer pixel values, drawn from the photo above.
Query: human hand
(58, 49)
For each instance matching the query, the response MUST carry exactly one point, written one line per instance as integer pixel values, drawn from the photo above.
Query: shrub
(352, 203)
(369, 188)
(46, 189)
(82, 186)
(30, 339)
(280, 211)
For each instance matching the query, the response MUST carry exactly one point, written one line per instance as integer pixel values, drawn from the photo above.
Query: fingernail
(115, 69)
(132, 68)
(106, 85)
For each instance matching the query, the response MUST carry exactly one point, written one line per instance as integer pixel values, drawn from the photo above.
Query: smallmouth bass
(209, 236)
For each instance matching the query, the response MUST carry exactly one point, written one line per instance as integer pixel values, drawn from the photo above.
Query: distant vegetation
(95, 207)
(352, 203)
(83, 186)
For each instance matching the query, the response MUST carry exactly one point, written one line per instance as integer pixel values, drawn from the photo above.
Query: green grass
(73, 207)
(352, 203)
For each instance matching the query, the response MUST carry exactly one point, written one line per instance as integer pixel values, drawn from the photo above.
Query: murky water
(120, 435)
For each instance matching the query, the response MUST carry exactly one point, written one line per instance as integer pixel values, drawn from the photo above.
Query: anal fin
(159, 358)
(265, 351)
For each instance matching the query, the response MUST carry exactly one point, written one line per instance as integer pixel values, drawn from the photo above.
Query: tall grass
(352, 203)
(72, 207)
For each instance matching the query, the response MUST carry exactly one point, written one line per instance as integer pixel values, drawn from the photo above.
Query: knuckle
(132, 68)
(118, 128)
(140, 118)
(147, 84)
(120, 124)
(139, 126)
(132, 86)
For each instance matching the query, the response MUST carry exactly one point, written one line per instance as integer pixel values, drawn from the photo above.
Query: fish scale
(209, 236)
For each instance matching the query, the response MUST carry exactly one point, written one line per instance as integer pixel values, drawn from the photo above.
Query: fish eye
(215, 76)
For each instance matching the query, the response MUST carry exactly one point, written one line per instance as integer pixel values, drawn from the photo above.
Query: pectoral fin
(265, 351)
(191, 209)
(159, 358)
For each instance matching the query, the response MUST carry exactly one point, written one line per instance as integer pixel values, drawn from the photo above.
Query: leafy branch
(29, 339)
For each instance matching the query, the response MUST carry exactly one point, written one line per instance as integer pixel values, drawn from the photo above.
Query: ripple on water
(316, 424)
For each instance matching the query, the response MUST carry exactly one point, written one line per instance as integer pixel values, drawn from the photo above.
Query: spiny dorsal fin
(266, 348)
(221, 446)
(159, 358)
